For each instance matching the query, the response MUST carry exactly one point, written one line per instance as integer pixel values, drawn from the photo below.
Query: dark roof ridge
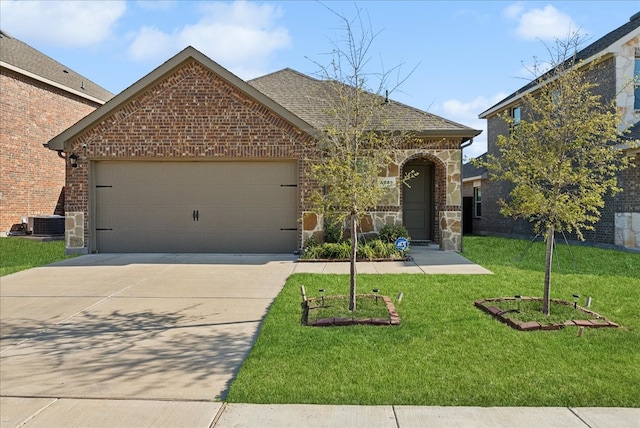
(299, 73)
(25, 59)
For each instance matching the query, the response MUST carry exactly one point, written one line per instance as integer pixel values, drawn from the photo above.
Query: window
(477, 202)
(636, 82)
(515, 115)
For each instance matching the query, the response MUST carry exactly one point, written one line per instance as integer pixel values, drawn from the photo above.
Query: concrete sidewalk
(65, 412)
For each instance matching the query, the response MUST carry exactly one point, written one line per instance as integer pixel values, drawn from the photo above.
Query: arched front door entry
(418, 200)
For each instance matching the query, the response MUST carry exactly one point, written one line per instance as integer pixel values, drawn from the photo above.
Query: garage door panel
(241, 206)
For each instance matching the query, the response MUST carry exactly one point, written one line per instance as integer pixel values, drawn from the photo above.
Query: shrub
(375, 249)
(333, 232)
(391, 232)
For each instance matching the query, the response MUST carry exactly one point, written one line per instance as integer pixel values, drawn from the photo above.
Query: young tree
(561, 157)
(357, 143)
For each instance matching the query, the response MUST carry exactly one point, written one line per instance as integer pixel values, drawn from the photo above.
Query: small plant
(310, 243)
(373, 250)
(391, 232)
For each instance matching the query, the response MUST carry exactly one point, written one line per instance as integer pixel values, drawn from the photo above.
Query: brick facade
(190, 114)
(32, 177)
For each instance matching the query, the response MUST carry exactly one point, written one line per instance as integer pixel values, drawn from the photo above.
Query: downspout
(462, 146)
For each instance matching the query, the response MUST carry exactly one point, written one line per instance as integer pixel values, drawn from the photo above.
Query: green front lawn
(446, 351)
(18, 254)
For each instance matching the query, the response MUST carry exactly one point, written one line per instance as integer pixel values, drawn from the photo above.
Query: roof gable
(609, 43)
(22, 58)
(129, 95)
(303, 95)
(471, 172)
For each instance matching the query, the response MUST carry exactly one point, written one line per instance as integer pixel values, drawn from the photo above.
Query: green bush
(391, 232)
(375, 249)
(333, 232)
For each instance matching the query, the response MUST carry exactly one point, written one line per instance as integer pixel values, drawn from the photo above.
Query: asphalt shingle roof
(24, 57)
(470, 170)
(303, 96)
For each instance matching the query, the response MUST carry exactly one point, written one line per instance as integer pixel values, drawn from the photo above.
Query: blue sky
(461, 57)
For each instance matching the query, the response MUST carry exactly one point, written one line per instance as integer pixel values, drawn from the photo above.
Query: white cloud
(466, 113)
(547, 23)
(513, 11)
(240, 36)
(61, 23)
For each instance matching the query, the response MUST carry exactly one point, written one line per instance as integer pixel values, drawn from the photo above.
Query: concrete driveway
(150, 327)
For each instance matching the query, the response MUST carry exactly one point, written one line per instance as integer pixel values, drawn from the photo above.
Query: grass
(447, 352)
(531, 310)
(338, 307)
(18, 254)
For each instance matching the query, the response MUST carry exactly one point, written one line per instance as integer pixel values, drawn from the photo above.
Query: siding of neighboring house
(32, 177)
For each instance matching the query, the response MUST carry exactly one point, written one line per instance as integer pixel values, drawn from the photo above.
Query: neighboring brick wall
(32, 177)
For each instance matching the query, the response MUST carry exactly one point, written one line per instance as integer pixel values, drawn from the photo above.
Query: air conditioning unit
(46, 225)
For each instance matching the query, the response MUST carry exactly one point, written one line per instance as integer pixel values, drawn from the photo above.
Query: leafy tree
(561, 156)
(357, 143)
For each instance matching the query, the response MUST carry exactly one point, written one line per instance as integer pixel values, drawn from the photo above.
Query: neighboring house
(618, 54)
(40, 98)
(193, 159)
(473, 179)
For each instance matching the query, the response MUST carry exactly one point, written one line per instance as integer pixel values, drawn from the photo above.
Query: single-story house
(40, 98)
(192, 158)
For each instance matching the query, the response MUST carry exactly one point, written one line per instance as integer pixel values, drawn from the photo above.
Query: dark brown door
(418, 206)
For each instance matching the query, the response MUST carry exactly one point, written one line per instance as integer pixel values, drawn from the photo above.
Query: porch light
(73, 160)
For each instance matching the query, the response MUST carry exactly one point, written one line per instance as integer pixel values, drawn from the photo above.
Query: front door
(418, 206)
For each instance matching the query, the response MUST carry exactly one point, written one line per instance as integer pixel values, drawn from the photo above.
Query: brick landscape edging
(394, 318)
(598, 322)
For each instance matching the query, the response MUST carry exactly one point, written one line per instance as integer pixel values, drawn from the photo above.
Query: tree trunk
(546, 299)
(352, 271)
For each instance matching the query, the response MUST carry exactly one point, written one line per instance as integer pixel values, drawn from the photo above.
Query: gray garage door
(227, 207)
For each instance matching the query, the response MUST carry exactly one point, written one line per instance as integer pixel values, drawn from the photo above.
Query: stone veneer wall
(74, 232)
(628, 230)
(446, 156)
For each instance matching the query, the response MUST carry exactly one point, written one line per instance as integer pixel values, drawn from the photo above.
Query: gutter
(462, 146)
(51, 82)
